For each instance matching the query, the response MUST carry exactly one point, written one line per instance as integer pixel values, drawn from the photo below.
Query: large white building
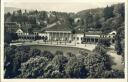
(59, 32)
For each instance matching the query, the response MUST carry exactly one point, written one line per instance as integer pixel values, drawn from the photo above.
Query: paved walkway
(117, 59)
(84, 46)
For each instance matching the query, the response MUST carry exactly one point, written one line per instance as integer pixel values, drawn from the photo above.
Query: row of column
(91, 40)
(95, 40)
(27, 37)
(60, 36)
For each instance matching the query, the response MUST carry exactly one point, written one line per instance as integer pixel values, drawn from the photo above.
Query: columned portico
(60, 36)
(91, 39)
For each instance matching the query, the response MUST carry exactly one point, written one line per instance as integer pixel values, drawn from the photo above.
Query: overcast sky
(62, 7)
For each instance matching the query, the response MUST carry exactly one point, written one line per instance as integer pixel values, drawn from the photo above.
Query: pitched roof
(93, 33)
(59, 27)
(24, 30)
(113, 32)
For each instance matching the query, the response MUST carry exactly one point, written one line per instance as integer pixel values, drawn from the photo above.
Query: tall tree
(33, 68)
(108, 12)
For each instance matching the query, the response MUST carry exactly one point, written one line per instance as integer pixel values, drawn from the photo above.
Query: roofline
(60, 31)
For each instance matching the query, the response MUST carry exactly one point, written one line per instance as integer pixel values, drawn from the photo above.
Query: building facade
(62, 33)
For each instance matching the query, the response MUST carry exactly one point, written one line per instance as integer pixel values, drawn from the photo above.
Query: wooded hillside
(102, 19)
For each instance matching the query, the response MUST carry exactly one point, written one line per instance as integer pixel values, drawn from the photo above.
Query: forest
(102, 19)
(25, 62)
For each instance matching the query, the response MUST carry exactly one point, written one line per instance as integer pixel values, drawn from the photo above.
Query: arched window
(113, 33)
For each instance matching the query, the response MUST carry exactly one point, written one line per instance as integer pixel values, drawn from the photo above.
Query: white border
(2, 38)
(65, 1)
(63, 80)
(126, 40)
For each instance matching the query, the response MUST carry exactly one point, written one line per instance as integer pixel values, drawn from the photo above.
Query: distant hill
(94, 11)
(10, 9)
(105, 19)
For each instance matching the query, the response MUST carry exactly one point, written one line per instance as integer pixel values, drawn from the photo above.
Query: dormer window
(113, 33)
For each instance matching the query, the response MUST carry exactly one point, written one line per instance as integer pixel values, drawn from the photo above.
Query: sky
(58, 6)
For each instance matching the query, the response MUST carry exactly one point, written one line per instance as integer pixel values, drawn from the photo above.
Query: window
(81, 38)
(66, 38)
(73, 38)
(77, 38)
(113, 33)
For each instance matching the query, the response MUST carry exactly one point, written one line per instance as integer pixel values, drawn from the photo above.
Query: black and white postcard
(63, 40)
